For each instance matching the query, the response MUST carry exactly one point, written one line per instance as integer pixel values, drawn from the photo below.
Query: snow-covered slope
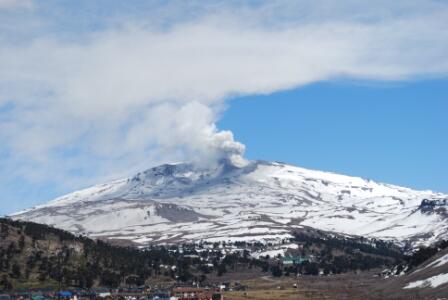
(262, 200)
(432, 274)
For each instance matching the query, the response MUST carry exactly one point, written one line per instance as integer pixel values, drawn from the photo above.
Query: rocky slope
(259, 201)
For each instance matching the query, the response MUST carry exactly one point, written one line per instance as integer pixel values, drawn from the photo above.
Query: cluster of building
(207, 251)
(289, 260)
(174, 293)
(50, 294)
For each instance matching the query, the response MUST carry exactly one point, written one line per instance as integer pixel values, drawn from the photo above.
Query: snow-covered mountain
(259, 201)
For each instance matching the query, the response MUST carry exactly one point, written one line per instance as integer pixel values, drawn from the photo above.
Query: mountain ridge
(260, 200)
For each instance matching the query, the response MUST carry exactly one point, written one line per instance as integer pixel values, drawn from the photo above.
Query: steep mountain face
(431, 274)
(260, 201)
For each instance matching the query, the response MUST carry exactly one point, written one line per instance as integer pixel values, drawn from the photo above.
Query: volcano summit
(258, 201)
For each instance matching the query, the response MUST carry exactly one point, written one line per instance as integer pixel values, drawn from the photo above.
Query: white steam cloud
(79, 108)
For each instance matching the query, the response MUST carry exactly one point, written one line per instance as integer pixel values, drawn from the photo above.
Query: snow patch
(431, 282)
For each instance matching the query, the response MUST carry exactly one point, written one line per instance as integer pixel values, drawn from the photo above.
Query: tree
(221, 269)
(21, 242)
(110, 279)
(16, 272)
(5, 284)
(202, 278)
(311, 269)
(4, 230)
(276, 271)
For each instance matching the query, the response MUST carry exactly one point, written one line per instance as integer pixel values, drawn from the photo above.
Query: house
(159, 295)
(294, 260)
(102, 292)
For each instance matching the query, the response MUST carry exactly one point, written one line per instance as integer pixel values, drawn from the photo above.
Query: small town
(136, 293)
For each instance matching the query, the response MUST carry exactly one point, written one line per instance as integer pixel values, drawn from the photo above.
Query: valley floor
(348, 286)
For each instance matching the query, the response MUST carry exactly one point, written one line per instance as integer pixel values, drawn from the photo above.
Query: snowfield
(432, 282)
(260, 201)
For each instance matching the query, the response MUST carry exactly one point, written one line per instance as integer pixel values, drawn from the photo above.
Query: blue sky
(394, 133)
(103, 89)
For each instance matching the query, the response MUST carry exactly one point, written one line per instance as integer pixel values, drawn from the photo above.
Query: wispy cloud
(80, 105)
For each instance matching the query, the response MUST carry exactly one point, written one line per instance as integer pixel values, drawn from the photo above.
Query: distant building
(160, 295)
(294, 260)
(192, 293)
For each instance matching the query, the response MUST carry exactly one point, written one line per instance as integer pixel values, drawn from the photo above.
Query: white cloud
(115, 100)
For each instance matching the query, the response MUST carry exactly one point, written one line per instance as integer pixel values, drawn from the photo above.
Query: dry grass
(339, 287)
(268, 288)
(273, 294)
